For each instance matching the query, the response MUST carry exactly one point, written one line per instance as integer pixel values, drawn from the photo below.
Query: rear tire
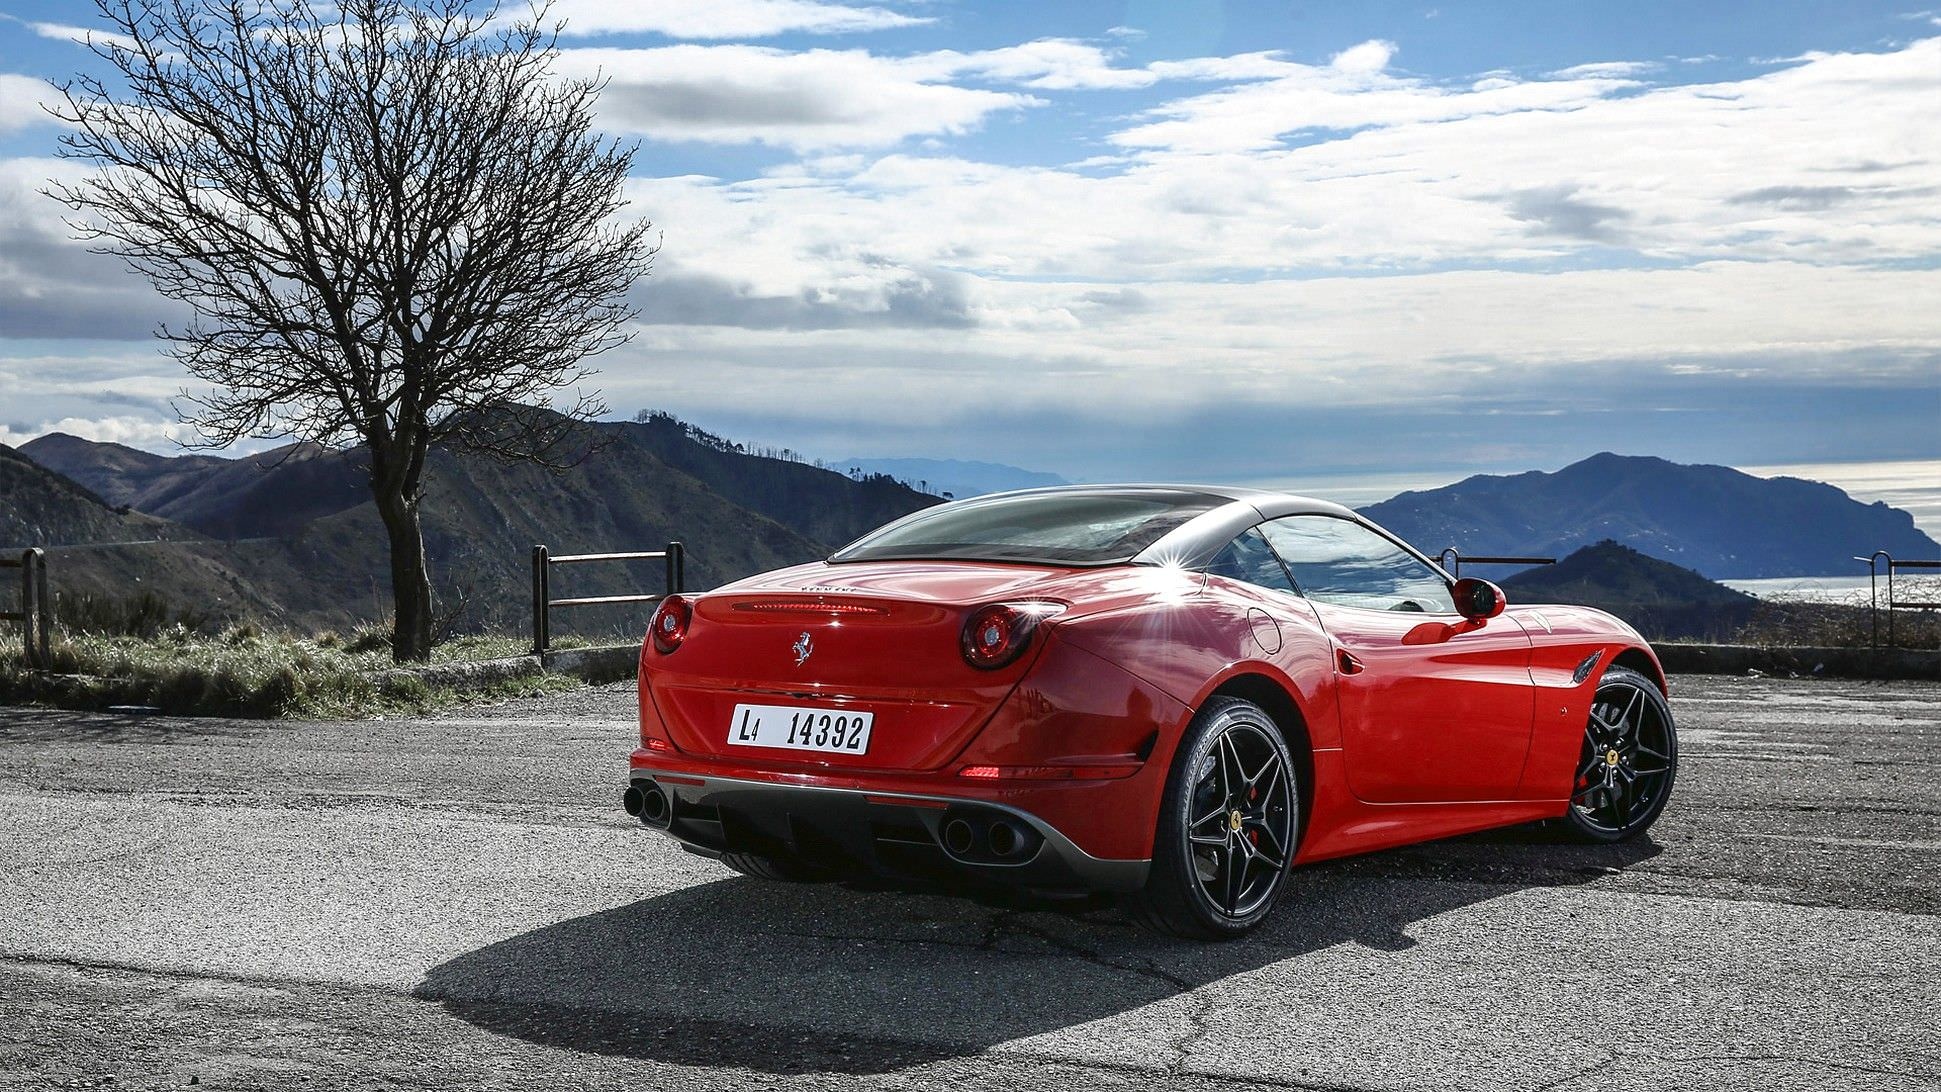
(774, 869)
(1228, 825)
(1627, 763)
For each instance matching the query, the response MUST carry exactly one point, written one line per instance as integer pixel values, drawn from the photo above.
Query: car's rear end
(911, 709)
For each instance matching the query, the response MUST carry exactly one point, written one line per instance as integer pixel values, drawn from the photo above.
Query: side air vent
(1589, 665)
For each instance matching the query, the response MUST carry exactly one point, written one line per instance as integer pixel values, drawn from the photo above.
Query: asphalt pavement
(458, 901)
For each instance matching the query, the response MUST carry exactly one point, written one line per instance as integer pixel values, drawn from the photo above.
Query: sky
(1197, 240)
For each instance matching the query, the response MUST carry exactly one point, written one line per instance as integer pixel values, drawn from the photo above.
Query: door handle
(1346, 662)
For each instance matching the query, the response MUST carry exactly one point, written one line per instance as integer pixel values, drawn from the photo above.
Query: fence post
(1890, 599)
(541, 600)
(35, 608)
(44, 607)
(1451, 560)
(676, 568)
(1873, 597)
(27, 612)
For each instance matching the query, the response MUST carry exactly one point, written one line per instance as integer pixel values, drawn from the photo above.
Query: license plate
(796, 728)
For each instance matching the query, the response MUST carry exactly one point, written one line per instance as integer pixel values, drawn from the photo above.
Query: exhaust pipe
(958, 837)
(657, 808)
(648, 803)
(1005, 839)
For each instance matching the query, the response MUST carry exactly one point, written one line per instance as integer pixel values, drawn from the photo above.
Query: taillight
(669, 624)
(997, 634)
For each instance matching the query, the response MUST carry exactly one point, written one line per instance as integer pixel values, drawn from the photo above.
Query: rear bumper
(892, 834)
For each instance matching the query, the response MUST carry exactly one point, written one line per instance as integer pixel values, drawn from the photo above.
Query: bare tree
(392, 219)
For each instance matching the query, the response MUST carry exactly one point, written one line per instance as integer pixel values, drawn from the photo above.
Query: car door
(1433, 707)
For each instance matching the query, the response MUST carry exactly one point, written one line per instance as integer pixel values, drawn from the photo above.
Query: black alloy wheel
(1228, 826)
(1628, 761)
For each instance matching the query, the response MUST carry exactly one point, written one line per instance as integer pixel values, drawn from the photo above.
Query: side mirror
(1477, 599)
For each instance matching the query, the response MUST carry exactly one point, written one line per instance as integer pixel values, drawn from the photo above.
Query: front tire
(1228, 825)
(1627, 763)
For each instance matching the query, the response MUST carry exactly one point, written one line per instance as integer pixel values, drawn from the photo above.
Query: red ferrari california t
(1177, 693)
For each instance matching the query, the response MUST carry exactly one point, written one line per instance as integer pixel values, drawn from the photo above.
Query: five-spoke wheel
(1628, 760)
(1228, 826)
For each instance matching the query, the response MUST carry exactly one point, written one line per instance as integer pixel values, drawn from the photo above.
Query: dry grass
(245, 672)
(1845, 624)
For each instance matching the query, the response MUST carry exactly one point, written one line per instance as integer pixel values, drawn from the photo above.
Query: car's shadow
(793, 979)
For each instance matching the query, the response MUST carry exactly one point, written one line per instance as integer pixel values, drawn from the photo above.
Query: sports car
(1174, 693)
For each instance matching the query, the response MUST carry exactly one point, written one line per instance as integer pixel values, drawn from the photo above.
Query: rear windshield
(1055, 528)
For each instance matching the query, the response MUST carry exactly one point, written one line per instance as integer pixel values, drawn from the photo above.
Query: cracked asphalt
(458, 901)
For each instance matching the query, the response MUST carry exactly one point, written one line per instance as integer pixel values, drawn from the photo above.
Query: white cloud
(139, 432)
(713, 19)
(1297, 97)
(1096, 364)
(77, 35)
(1335, 234)
(804, 100)
(50, 285)
(1365, 59)
(1618, 69)
(1052, 64)
(20, 101)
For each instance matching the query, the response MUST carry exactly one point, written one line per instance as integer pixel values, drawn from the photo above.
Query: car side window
(1340, 561)
(1250, 560)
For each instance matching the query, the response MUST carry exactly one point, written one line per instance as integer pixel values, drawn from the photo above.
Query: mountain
(299, 521)
(955, 477)
(1658, 598)
(45, 508)
(1722, 522)
(269, 494)
(97, 553)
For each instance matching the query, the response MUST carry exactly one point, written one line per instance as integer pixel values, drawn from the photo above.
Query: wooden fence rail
(36, 608)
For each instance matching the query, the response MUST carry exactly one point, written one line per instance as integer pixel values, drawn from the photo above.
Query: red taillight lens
(999, 633)
(669, 624)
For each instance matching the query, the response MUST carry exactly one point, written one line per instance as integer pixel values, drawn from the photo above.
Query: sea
(1912, 485)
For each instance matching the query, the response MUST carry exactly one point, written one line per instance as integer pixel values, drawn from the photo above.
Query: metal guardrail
(543, 603)
(1451, 560)
(1883, 562)
(36, 607)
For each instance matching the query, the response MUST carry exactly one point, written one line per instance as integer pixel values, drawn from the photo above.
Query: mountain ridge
(1721, 522)
(1658, 598)
(301, 523)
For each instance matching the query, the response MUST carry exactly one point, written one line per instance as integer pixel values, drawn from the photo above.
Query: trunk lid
(877, 637)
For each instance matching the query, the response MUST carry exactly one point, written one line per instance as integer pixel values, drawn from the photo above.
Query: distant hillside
(45, 508)
(270, 494)
(300, 523)
(957, 477)
(1658, 598)
(1714, 519)
(100, 552)
(823, 505)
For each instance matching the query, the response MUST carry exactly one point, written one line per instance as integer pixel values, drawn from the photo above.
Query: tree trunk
(410, 580)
